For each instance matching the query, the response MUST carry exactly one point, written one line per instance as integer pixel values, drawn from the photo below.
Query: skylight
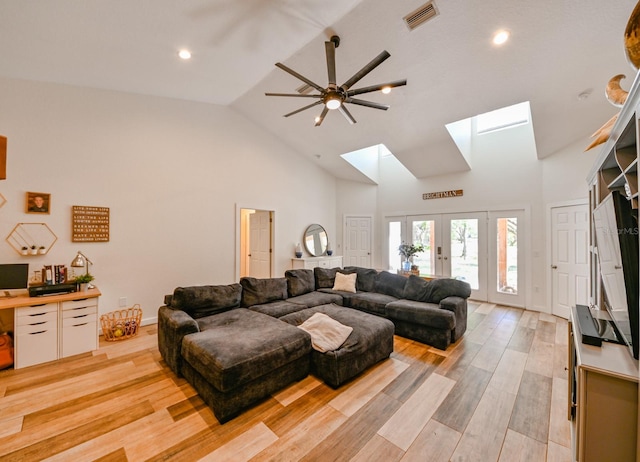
(500, 119)
(367, 160)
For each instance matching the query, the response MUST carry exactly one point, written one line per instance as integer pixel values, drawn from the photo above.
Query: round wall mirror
(315, 240)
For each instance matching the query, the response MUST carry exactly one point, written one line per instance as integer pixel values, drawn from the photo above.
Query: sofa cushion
(366, 280)
(390, 284)
(277, 308)
(241, 345)
(300, 281)
(371, 302)
(325, 277)
(426, 314)
(437, 289)
(415, 289)
(345, 282)
(258, 291)
(316, 298)
(199, 301)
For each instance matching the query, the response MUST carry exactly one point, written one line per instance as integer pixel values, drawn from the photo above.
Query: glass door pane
(395, 234)
(424, 232)
(464, 250)
(507, 255)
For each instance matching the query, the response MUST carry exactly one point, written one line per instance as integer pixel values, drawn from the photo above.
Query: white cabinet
(36, 334)
(313, 262)
(53, 327)
(79, 320)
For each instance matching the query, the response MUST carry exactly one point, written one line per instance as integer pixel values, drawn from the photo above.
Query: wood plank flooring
(499, 394)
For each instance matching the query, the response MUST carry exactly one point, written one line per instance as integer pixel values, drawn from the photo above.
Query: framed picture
(38, 202)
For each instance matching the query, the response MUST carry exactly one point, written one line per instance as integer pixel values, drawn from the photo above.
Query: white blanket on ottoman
(327, 334)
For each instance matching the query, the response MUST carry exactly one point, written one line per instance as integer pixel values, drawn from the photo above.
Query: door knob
(554, 267)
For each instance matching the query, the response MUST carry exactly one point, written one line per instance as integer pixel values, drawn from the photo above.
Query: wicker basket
(122, 324)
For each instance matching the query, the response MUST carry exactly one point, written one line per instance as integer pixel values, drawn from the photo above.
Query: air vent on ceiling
(421, 15)
(304, 89)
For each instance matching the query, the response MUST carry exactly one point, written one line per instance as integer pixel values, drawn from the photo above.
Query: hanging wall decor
(89, 224)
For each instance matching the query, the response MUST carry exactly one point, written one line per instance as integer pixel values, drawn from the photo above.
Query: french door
(480, 248)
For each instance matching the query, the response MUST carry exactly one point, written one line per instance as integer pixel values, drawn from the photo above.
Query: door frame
(549, 250)
(240, 233)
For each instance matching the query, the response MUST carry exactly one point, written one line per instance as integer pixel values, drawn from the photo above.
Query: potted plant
(407, 251)
(24, 250)
(42, 250)
(83, 281)
(34, 250)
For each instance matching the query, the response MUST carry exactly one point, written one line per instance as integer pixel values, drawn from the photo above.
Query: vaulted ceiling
(557, 51)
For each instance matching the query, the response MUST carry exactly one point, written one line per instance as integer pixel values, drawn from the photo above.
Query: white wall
(172, 173)
(506, 174)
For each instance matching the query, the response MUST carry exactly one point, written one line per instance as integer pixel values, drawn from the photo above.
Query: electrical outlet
(122, 302)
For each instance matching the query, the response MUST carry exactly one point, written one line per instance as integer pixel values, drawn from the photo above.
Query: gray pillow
(366, 279)
(259, 291)
(437, 289)
(200, 301)
(415, 289)
(325, 277)
(300, 281)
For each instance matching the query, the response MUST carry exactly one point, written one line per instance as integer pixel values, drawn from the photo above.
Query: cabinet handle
(79, 325)
(38, 323)
(37, 314)
(80, 316)
(79, 308)
(80, 299)
(36, 333)
(41, 304)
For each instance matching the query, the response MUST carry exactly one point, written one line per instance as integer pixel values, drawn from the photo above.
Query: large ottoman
(240, 357)
(370, 342)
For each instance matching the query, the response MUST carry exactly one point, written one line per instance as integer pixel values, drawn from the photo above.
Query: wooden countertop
(25, 300)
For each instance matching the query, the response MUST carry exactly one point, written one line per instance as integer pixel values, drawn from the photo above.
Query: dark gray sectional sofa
(238, 343)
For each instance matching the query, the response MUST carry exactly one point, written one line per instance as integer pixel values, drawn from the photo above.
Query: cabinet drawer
(37, 318)
(36, 347)
(79, 336)
(79, 320)
(80, 311)
(37, 326)
(36, 309)
(80, 303)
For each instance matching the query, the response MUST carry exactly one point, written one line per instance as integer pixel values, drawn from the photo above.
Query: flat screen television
(616, 232)
(14, 276)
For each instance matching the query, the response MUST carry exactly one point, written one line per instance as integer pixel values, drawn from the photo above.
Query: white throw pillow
(345, 282)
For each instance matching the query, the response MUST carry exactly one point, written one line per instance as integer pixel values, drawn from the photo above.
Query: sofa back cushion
(258, 291)
(325, 277)
(300, 282)
(437, 289)
(415, 289)
(390, 284)
(366, 280)
(200, 301)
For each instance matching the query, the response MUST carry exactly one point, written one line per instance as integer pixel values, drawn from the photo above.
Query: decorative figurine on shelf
(298, 250)
(408, 251)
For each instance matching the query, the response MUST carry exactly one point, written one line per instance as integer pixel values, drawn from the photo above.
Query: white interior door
(260, 244)
(569, 258)
(357, 242)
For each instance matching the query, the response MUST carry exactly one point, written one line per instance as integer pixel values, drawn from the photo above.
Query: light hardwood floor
(499, 394)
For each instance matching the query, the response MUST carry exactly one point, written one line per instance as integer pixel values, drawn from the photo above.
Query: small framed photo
(38, 202)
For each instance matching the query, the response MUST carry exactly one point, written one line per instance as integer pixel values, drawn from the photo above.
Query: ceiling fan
(334, 96)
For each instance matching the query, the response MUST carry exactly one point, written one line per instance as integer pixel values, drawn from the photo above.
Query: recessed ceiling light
(184, 54)
(500, 37)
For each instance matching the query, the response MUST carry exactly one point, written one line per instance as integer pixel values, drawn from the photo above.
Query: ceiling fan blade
(362, 102)
(375, 62)
(301, 77)
(347, 115)
(321, 116)
(295, 95)
(359, 91)
(330, 48)
(303, 108)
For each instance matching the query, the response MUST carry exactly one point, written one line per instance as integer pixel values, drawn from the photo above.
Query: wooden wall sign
(442, 194)
(3, 157)
(89, 224)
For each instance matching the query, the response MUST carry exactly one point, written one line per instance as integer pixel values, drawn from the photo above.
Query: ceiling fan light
(333, 103)
(386, 90)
